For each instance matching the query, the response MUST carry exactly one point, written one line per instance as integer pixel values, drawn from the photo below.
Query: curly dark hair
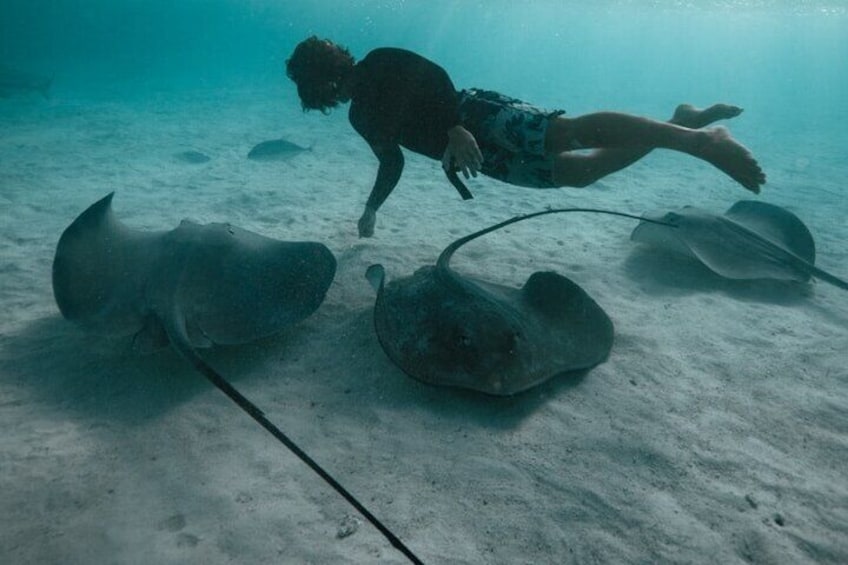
(318, 67)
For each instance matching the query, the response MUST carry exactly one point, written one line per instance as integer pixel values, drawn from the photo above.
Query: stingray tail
(827, 277)
(445, 256)
(179, 339)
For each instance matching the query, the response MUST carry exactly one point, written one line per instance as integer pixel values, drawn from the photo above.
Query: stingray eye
(463, 341)
(458, 339)
(514, 338)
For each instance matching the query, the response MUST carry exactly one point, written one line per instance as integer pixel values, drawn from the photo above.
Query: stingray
(195, 286)
(752, 240)
(192, 157)
(444, 328)
(275, 150)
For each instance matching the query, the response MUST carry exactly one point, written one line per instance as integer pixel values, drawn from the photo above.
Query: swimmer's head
(319, 67)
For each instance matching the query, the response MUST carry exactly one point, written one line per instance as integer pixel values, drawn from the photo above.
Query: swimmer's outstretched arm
(388, 175)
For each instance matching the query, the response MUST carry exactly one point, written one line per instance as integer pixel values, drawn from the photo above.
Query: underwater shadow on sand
(668, 274)
(51, 361)
(661, 273)
(401, 392)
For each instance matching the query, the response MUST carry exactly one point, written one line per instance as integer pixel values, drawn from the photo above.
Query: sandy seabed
(716, 432)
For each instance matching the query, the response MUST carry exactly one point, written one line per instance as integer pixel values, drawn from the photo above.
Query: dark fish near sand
(192, 157)
(13, 81)
(276, 150)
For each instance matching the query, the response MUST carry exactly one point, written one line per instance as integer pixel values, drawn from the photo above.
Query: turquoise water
(550, 460)
(786, 61)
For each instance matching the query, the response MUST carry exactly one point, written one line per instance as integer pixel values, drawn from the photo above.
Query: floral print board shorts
(511, 136)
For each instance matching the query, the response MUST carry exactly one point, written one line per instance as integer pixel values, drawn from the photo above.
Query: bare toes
(687, 115)
(723, 111)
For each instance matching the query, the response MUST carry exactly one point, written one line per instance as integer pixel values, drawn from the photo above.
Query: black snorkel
(457, 183)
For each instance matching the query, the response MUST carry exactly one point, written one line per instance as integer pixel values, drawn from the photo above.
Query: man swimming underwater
(400, 99)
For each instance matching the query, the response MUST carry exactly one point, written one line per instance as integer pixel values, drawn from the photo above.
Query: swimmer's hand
(367, 221)
(462, 152)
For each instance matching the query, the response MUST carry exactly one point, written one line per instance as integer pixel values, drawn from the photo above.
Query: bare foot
(688, 116)
(728, 155)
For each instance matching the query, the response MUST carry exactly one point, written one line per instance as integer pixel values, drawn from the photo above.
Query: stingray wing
(730, 247)
(664, 235)
(776, 225)
(235, 286)
(99, 271)
(784, 230)
(578, 334)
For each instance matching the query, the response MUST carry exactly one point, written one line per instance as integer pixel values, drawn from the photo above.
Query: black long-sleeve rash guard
(401, 99)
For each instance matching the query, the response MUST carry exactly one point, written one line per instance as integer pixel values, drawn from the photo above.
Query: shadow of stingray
(663, 273)
(95, 378)
(399, 391)
(50, 361)
(503, 412)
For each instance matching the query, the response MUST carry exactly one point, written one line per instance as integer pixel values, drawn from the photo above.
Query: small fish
(13, 81)
(275, 150)
(192, 157)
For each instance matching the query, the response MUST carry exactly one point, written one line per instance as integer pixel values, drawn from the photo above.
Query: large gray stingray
(193, 286)
(446, 329)
(752, 240)
(197, 285)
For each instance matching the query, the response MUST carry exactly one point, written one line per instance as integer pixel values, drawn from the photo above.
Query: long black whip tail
(444, 259)
(254, 412)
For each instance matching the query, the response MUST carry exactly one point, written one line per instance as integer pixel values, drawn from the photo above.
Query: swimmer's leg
(625, 139)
